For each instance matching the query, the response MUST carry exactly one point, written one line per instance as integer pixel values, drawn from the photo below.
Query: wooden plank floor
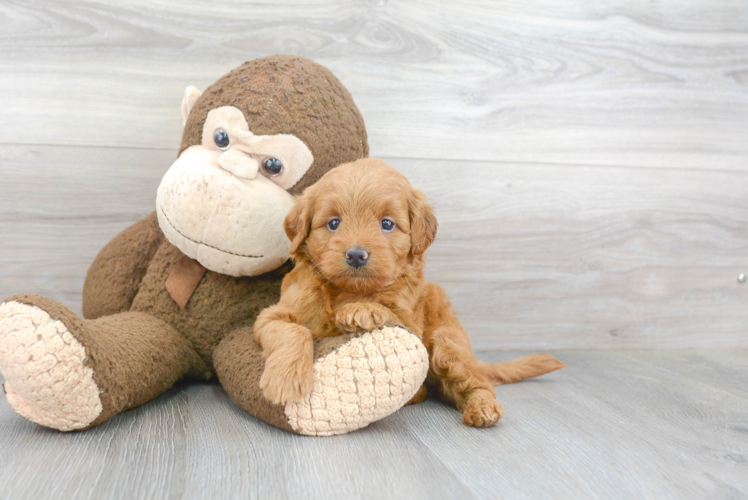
(613, 424)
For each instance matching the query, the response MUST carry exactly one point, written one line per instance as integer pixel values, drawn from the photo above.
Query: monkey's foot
(46, 378)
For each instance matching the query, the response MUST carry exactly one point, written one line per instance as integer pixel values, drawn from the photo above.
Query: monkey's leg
(358, 379)
(68, 373)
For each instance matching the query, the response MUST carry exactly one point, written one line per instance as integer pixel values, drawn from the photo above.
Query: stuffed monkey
(175, 295)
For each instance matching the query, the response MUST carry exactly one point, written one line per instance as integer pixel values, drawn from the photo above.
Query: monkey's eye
(333, 224)
(387, 225)
(272, 166)
(221, 138)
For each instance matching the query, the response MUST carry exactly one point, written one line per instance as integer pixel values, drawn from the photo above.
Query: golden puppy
(358, 237)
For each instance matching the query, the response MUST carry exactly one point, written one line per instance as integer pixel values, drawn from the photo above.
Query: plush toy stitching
(206, 244)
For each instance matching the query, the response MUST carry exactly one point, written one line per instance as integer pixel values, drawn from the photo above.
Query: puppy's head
(361, 225)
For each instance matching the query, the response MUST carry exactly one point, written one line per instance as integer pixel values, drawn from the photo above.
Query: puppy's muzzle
(356, 257)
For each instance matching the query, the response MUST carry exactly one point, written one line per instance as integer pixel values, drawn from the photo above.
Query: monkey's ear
(191, 95)
(298, 223)
(423, 222)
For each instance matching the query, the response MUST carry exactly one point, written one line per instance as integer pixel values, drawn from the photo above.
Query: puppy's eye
(221, 138)
(333, 224)
(272, 166)
(387, 225)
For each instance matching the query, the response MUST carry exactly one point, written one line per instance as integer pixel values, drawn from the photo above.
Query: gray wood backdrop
(588, 160)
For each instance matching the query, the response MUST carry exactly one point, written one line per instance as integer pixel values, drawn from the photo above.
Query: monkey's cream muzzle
(218, 205)
(230, 224)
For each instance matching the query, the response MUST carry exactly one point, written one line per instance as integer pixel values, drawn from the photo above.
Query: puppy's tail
(520, 369)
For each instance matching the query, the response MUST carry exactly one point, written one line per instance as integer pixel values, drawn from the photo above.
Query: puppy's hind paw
(482, 412)
(420, 397)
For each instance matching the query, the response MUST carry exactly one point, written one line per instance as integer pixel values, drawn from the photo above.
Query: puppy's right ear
(298, 223)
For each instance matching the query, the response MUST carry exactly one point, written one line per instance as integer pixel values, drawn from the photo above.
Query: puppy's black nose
(356, 257)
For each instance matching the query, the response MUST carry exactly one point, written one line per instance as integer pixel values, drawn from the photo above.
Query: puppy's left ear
(422, 223)
(298, 223)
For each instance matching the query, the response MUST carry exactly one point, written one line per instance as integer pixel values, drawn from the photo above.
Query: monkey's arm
(115, 275)
(278, 373)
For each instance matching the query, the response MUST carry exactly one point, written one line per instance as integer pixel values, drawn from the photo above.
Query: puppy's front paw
(482, 412)
(361, 316)
(287, 378)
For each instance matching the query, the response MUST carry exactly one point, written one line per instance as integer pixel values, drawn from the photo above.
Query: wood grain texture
(614, 424)
(532, 255)
(588, 160)
(589, 165)
(604, 83)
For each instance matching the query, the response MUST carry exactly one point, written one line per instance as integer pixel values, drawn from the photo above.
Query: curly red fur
(325, 296)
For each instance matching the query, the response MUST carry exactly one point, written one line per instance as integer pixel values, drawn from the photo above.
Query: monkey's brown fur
(324, 296)
(293, 95)
(137, 339)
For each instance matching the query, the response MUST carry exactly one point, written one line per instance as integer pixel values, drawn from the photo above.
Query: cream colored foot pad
(365, 380)
(46, 380)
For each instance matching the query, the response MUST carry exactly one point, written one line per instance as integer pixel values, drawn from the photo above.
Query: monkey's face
(259, 134)
(223, 201)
